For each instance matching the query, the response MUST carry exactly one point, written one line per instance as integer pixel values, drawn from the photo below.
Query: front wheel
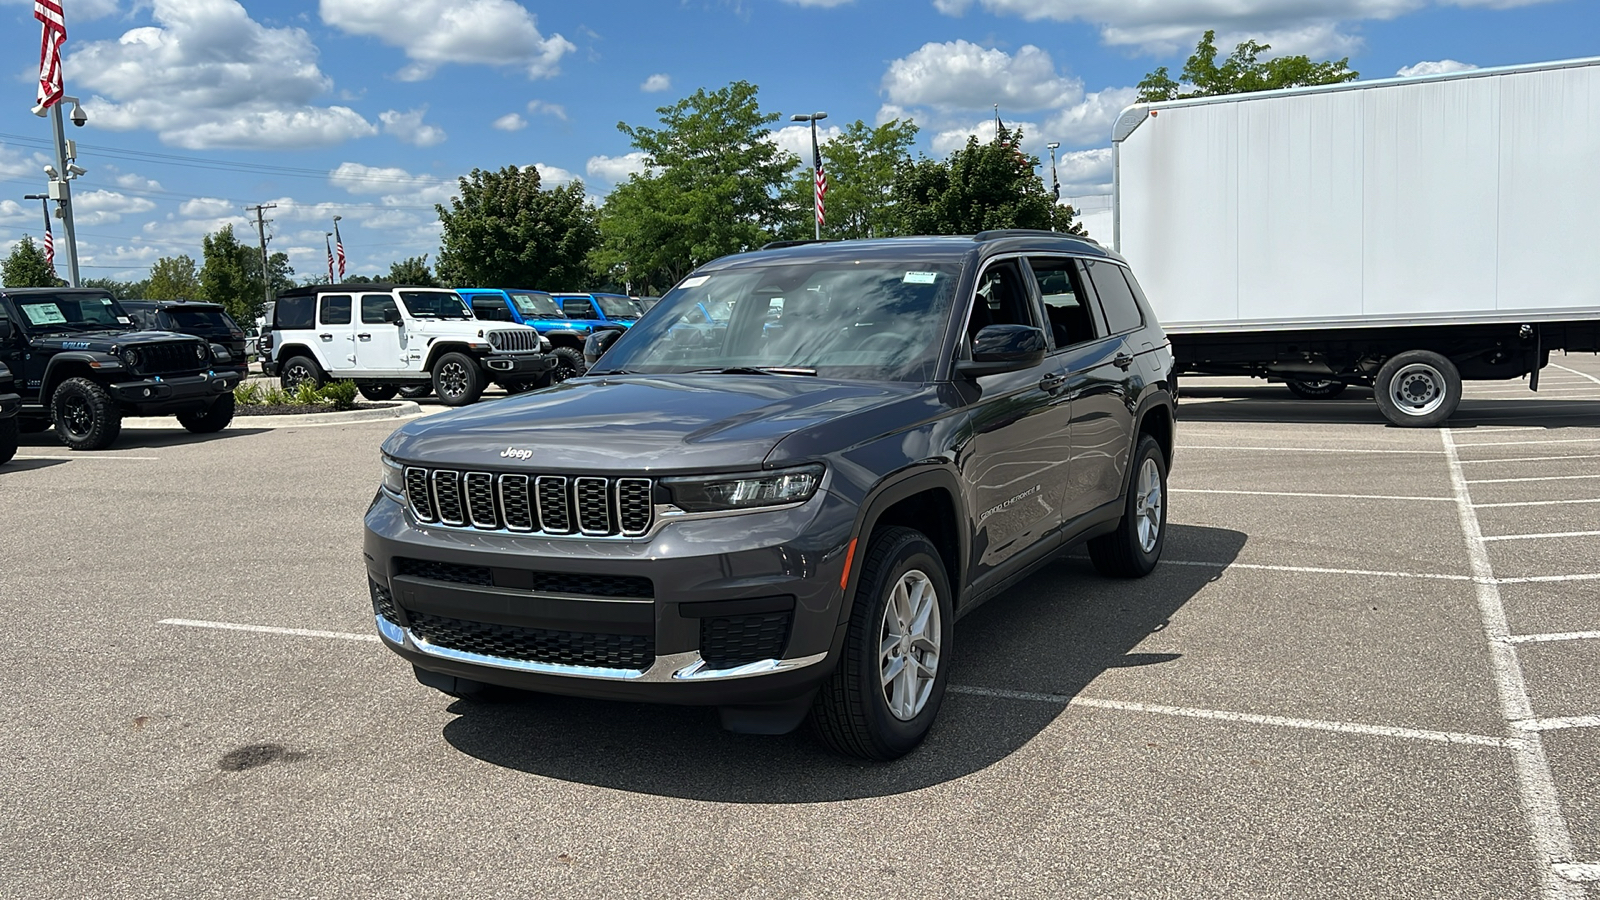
(1316, 390)
(881, 700)
(85, 416)
(457, 379)
(212, 419)
(1418, 389)
(378, 392)
(1133, 550)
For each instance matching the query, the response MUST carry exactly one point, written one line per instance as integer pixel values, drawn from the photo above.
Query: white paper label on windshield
(124, 320)
(43, 313)
(920, 277)
(695, 282)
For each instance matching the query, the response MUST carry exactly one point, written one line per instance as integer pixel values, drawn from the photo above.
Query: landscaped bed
(336, 396)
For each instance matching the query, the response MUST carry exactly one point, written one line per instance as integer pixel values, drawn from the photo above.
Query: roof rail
(779, 245)
(995, 233)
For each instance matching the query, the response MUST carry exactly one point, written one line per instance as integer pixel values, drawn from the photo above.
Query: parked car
(539, 311)
(611, 309)
(387, 337)
(81, 365)
(786, 522)
(9, 404)
(204, 320)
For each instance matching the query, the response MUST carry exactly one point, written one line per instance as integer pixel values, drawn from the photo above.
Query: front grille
(732, 641)
(382, 602)
(614, 587)
(543, 504)
(167, 358)
(571, 648)
(514, 340)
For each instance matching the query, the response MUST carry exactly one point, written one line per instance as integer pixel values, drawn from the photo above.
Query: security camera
(76, 170)
(79, 117)
(51, 171)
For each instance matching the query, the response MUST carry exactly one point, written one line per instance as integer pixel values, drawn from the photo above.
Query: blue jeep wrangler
(540, 311)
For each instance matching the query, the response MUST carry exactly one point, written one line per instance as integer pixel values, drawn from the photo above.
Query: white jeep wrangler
(390, 339)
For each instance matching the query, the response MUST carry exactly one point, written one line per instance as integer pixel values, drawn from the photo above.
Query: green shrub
(307, 394)
(276, 396)
(342, 394)
(247, 394)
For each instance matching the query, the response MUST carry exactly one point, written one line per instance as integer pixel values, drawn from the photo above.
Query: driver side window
(1001, 299)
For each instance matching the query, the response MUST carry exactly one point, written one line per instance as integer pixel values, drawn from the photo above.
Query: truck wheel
(1133, 550)
(85, 417)
(1418, 389)
(212, 419)
(300, 370)
(416, 391)
(457, 379)
(378, 392)
(882, 698)
(569, 364)
(8, 439)
(1316, 390)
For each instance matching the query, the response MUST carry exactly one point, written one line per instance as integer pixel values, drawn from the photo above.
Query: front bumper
(517, 366)
(161, 394)
(743, 610)
(9, 404)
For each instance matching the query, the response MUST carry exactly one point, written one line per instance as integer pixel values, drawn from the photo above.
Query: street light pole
(816, 157)
(1055, 183)
(61, 175)
(44, 206)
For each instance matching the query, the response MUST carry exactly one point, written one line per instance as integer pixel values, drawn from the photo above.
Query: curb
(402, 410)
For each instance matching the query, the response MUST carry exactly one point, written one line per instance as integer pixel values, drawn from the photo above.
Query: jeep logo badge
(514, 453)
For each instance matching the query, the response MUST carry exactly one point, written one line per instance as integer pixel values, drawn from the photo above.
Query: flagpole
(816, 166)
(62, 184)
(44, 207)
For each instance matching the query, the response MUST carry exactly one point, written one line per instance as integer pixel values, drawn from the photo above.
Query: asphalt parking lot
(1369, 666)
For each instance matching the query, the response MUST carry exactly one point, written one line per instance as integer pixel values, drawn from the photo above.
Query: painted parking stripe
(1306, 449)
(1418, 734)
(1532, 503)
(1536, 579)
(1530, 443)
(1553, 534)
(1524, 480)
(1558, 723)
(1521, 459)
(87, 457)
(1582, 873)
(1557, 636)
(1584, 375)
(1300, 494)
(269, 629)
(1310, 570)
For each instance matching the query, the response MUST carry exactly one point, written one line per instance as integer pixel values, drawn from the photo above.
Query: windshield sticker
(43, 313)
(124, 320)
(920, 277)
(694, 282)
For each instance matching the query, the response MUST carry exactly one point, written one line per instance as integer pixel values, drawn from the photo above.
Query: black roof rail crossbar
(779, 245)
(995, 233)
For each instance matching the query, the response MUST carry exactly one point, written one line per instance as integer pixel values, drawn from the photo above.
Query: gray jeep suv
(785, 516)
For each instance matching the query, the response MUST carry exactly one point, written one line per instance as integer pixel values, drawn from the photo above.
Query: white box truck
(1404, 234)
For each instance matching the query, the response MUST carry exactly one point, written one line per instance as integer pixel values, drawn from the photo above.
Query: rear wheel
(84, 415)
(8, 439)
(416, 391)
(457, 379)
(1418, 389)
(378, 392)
(1133, 550)
(300, 370)
(569, 364)
(212, 419)
(1316, 390)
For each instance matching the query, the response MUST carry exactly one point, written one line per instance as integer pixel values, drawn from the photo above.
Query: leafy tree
(861, 164)
(1240, 73)
(505, 229)
(713, 188)
(980, 187)
(364, 279)
(413, 270)
(173, 278)
(26, 267)
(122, 290)
(278, 269)
(230, 275)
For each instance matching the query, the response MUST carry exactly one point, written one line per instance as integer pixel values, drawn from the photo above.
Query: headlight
(714, 493)
(130, 356)
(394, 477)
(200, 352)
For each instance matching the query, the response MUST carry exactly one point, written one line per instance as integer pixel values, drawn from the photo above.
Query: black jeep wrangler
(9, 402)
(80, 365)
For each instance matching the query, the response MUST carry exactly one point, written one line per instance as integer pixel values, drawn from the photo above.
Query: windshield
(208, 320)
(435, 305)
(867, 319)
(72, 312)
(538, 306)
(616, 307)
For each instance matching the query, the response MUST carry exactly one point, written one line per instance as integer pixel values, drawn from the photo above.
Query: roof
(168, 304)
(311, 290)
(949, 246)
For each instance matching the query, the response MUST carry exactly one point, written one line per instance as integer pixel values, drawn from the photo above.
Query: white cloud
(796, 139)
(656, 83)
(541, 108)
(435, 32)
(207, 75)
(955, 138)
(1083, 171)
(12, 213)
(963, 75)
(822, 4)
(136, 182)
(206, 208)
(1438, 67)
(510, 122)
(395, 186)
(409, 127)
(100, 207)
(23, 164)
(1090, 120)
(616, 169)
(554, 176)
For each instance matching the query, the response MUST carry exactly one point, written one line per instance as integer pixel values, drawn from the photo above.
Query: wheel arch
(287, 352)
(443, 347)
(61, 367)
(926, 499)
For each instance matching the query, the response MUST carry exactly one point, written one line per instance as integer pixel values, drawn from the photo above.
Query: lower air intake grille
(442, 571)
(382, 603)
(735, 640)
(571, 648)
(582, 584)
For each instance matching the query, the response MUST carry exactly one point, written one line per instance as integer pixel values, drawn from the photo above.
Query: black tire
(8, 439)
(416, 391)
(84, 416)
(1132, 551)
(520, 387)
(212, 419)
(378, 392)
(1418, 389)
(457, 379)
(852, 712)
(569, 364)
(1316, 390)
(300, 370)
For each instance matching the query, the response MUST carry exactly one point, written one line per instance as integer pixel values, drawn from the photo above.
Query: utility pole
(261, 232)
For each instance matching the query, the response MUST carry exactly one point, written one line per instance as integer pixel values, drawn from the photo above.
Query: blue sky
(370, 109)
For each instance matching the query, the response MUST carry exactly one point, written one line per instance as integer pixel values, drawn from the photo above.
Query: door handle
(1052, 382)
(365, 337)
(326, 337)
(1122, 361)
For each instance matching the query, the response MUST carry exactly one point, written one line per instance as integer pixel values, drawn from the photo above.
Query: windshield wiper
(757, 370)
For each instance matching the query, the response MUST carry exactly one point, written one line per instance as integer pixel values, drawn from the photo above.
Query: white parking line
(1518, 459)
(269, 629)
(1299, 494)
(1584, 375)
(1445, 737)
(1534, 579)
(1553, 534)
(1578, 872)
(1523, 480)
(1557, 636)
(1531, 503)
(1541, 805)
(1306, 449)
(86, 457)
(1311, 570)
(1557, 723)
(1530, 443)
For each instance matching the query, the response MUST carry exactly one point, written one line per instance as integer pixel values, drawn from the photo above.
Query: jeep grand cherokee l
(786, 521)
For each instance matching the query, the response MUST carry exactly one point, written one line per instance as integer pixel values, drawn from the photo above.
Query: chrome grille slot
(514, 340)
(633, 506)
(555, 516)
(480, 500)
(447, 497)
(516, 504)
(418, 492)
(594, 505)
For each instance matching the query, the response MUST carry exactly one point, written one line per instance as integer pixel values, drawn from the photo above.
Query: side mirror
(598, 343)
(391, 315)
(1004, 348)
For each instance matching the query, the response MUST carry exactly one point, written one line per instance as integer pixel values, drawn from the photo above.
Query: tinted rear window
(1116, 298)
(199, 319)
(295, 312)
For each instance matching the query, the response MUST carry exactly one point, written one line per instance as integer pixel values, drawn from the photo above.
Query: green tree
(1240, 73)
(278, 269)
(173, 278)
(861, 164)
(230, 275)
(413, 270)
(505, 229)
(980, 187)
(122, 290)
(26, 267)
(713, 187)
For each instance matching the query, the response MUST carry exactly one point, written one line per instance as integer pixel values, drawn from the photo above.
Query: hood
(472, 328)
(105, 341)
(638, 424)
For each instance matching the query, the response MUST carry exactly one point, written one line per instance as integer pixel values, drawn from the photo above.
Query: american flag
(822, 177)
(51, 38)
(338, 244)
(49, 247)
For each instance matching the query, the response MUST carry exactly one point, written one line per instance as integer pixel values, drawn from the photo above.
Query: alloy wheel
(1147, 504)
(909, 643)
